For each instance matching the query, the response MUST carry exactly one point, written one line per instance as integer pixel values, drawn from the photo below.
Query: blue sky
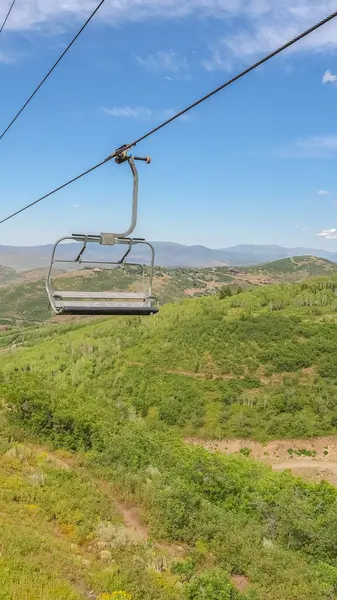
(254, 165)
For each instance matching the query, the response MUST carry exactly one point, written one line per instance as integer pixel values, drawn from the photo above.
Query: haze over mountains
(168, 254)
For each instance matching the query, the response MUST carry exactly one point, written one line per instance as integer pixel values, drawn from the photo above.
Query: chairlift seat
(102, 295)
(104, 303)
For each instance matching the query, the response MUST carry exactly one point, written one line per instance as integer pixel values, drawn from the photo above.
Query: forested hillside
(119, 395)
(297, 267)
(27, 302)
(261, 363)
(23, 297)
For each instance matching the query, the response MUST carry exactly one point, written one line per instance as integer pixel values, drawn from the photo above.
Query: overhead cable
(51, 70)
(7, 16)
(181, 113)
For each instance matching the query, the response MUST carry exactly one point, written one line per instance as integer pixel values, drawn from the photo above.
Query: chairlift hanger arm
(109, 239)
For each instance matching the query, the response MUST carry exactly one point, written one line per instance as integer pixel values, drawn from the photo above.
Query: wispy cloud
(128, 112)
(141, 112)
(219, 59)
(266, 24)
(77, 206)
(37, 12)
(6, 58)
(262, 24)
(325, 142)
(329, 77)
(323, 192)
(164, 62)
(328, 234)
(251, 27)
(319, 146)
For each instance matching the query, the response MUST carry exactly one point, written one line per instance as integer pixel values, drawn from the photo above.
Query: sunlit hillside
(128, 505)
(23, 297)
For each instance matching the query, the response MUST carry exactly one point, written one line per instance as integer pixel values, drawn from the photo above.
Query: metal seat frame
(106, 303)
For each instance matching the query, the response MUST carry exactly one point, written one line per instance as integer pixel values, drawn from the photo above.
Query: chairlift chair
(112, 302)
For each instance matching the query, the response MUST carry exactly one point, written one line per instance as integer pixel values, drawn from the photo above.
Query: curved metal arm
(134, 215)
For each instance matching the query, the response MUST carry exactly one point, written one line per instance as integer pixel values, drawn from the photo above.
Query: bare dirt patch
(311, 470)
(324, 447)
(240, 582)
(281, 455)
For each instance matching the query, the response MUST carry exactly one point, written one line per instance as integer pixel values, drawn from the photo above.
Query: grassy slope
(61, 529)
(118, 388)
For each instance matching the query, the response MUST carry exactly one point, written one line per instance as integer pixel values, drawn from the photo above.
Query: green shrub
(214, 585)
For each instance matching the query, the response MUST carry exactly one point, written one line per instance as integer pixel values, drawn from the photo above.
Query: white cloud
(141, 112)
(323, 193)
(267, 24)
(77, 205)
(37, 14)
(319, 146)
(261, 24)
(326, 142)
(329, 77)
(328, 234)
(128, 112)
(163, 62)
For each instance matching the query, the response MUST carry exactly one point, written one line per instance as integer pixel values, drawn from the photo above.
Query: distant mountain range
(168, 254)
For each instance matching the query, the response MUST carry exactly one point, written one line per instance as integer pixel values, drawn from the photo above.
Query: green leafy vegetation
(120, 394)
(233, 516)
(63, 537)
(259, 364)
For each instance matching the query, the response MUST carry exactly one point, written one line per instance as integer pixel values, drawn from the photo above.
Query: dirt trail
(310, 469)
(131, 515)
(198, 375)
(306, 464)
(132, 522)
(272, 380)
(281, 455)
